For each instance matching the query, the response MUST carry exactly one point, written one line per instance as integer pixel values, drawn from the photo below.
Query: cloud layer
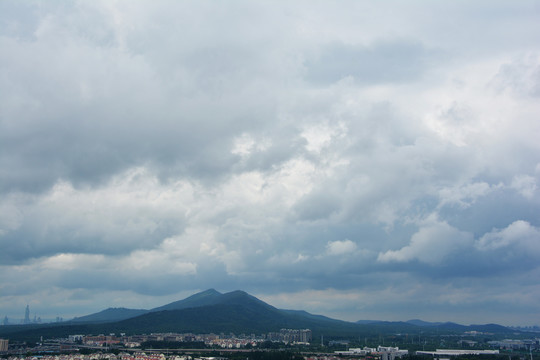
(352, 159)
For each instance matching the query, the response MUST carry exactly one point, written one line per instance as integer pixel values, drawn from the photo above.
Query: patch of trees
(155, 344)
(273, 355)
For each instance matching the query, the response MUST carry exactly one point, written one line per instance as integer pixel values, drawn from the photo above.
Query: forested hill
(236, 311)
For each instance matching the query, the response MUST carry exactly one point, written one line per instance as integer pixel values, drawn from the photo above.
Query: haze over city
(355, 159)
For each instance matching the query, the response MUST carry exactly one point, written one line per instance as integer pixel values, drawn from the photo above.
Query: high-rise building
(294, 335)
(4, 343)
(27, 315)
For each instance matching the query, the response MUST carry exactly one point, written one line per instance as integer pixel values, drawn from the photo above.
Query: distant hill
(208, 297)
(368, 321)
(419, 322)
(109, 315)
(489, 328)
(415, 322)
(440, 326)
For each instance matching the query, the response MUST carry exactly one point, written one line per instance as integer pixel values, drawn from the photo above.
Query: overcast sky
(357, 159)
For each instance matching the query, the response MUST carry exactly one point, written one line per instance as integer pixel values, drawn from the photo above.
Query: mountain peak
(240, 297)
(207, 297)
(237, 293)
(211, 291)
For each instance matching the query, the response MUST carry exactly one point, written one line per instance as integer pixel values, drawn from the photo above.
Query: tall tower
(27, 315)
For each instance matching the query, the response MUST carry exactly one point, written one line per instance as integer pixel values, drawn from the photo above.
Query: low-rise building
(451, 352)
(385, 352)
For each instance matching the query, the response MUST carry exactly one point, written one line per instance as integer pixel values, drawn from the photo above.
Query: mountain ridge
(236, 311)
(207, 297)
(212, 297)
(203, 298)
(110, 314)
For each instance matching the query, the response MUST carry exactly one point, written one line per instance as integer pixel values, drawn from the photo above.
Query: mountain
(208, 297)
(204, 298)
(415, 322)
(206, 312)
(419, 322)
(368, 321)
(305, 314)
(110, 315)
(440, 326)
(489, 328)
(236, 311)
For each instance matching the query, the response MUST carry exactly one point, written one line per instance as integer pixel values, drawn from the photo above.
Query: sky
(356, 159)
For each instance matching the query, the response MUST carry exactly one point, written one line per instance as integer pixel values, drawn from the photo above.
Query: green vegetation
(154, 344)
(267, 355)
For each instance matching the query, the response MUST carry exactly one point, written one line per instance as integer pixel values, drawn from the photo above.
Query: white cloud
(465, 195)
(518, 236)
(433, 243)
(520, 77)
(245, 144)
(345, 247)
(525, 185)
(69, 262)
(321, 135)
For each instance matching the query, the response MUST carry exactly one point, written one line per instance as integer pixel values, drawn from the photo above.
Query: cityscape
(28, 319)
(187, 346)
